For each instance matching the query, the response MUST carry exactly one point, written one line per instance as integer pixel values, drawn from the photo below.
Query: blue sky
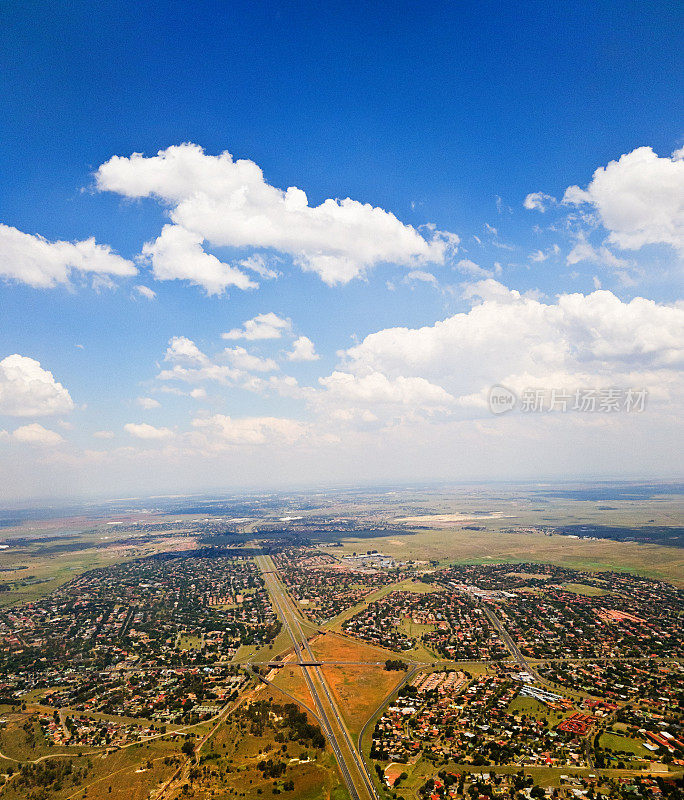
(465, 126)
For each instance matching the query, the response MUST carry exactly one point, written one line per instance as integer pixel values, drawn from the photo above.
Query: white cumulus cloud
(639, 199)
(38, 435)
(303, 350)
(520, 341)
(377, 389)
(190, 365)
(263, 326)
(177, 254)
(226, 202)
(141, 430)
(240, 359)
(28, 390)
(43, 264)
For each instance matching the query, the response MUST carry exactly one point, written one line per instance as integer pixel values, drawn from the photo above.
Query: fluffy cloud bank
(28, 390)
(178, 255)
(142, 430)
(36, 434)
(639, 199)
(376, 389)
(263, 326)
(240, 359)
(43, 264)
(190, 365)
(228, 203)
(221, 430)
(579, 341)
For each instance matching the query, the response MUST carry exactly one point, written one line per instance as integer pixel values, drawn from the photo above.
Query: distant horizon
(225, 495)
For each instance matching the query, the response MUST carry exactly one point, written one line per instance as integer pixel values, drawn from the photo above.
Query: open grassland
(333, 647)
(32, 569)
(44, 574)
(623, 744)
(420, 652)
(292, 681)
(232, 755)
(358, 691)
(127, 774)
(529, 707)
(190, 642)
(492, 545)
(23, 740)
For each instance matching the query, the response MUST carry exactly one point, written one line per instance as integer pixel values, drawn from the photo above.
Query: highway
(352, 766)
(514, 650)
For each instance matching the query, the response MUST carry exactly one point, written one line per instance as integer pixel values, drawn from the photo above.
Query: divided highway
(513, 648)
(350, 761)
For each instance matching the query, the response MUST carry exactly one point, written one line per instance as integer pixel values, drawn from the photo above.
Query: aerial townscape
(370, 645)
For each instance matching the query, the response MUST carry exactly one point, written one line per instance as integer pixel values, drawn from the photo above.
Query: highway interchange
(352, 766)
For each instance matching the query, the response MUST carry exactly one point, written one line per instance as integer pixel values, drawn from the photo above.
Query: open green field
(420, 652)
(189, 641)
(624, 744)
(530, 707)
(36, 562)
(447, 546)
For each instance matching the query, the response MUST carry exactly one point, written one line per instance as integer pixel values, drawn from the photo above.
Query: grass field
(292, 680)
(127, 774)
(333, 647)
(420, 652)
(533, 708)
(623, 744)
(232, 756)
(30, 569)
(23, 740)
(468, 546)
(189, 641)
(359, 690)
